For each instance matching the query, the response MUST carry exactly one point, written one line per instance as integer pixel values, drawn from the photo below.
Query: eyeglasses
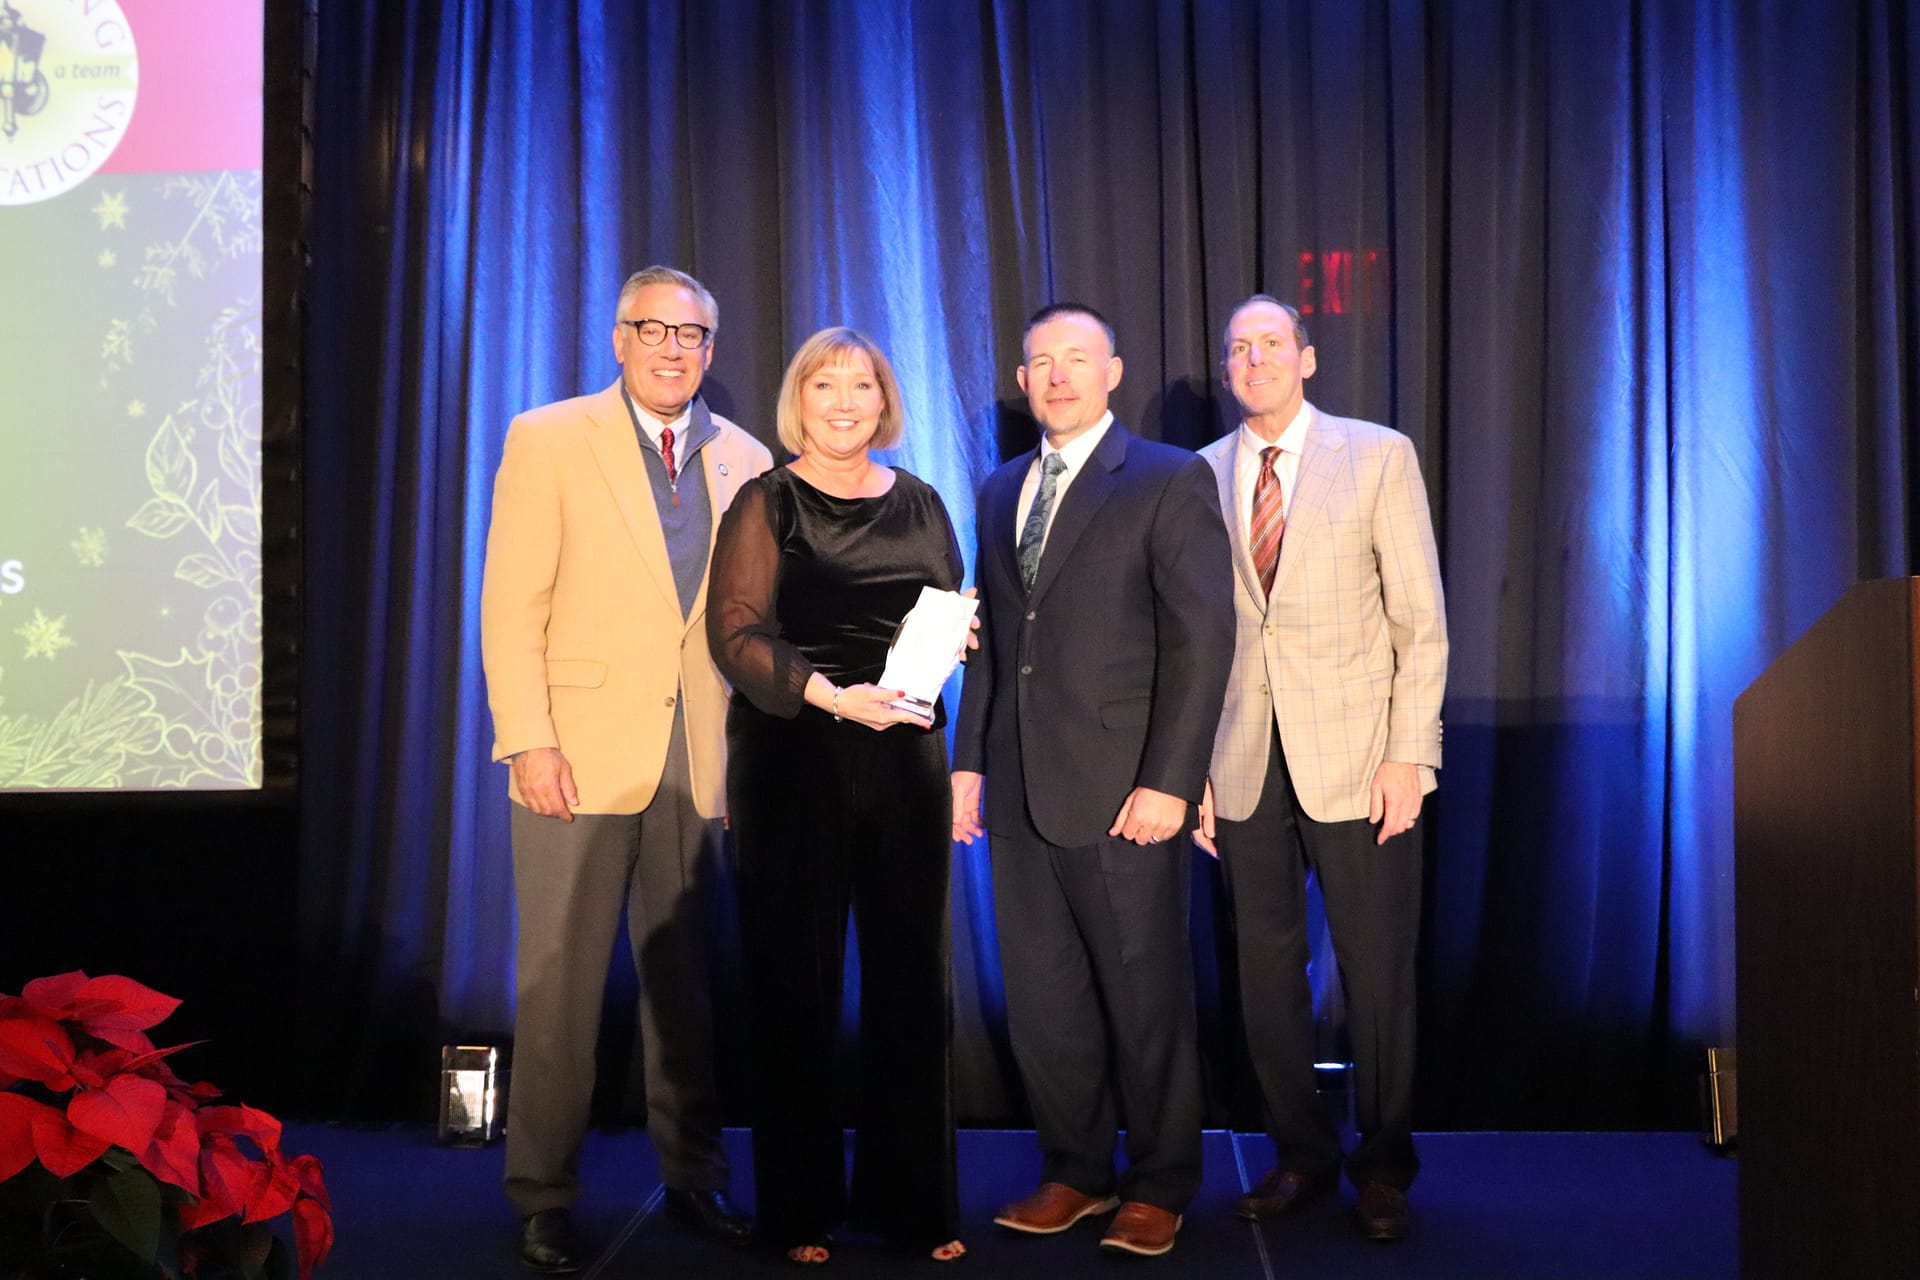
(654, 332)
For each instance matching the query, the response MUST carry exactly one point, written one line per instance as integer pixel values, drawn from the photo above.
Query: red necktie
(666, 452)
(1268, 523)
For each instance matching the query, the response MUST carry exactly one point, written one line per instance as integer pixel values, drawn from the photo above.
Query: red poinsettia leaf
(114, 1003)
(17, 1115)
(174, 1154)
(101, 1064)
(55, 996)
(246, 1121)
(203, 1212)
(125, 1113)
(126, 1037)
(63, 1149)
(273, 1191)
(226, 1174)
(35, 1047)
(146, 1061)
(312, 1234)
(310, 1172)
(203, 1091)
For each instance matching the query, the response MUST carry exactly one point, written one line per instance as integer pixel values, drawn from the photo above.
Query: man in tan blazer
(609, 709)
(1328, 741)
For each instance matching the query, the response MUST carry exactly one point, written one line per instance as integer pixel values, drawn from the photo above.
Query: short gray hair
(1300, 339)
(657, 274)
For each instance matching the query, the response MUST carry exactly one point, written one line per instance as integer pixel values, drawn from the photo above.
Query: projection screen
(130, 403)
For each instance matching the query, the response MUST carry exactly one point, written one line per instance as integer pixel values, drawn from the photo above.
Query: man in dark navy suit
(1106, 586)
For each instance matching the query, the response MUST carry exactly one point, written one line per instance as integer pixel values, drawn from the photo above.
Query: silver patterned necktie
(1033, 534)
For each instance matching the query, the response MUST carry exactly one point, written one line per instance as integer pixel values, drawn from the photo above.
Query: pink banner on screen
(200, 82)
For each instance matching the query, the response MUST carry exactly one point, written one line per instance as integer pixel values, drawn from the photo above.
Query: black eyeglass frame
(671, 330)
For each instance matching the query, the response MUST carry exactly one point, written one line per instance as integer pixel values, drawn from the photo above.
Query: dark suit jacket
(1111, 674)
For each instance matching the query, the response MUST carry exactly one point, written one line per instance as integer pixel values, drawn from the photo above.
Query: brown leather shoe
(1382, 1213)
(1142, 1229)
(1052, 1208)
(1281, 1190)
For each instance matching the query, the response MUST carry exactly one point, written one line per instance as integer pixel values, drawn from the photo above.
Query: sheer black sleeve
(743, 630)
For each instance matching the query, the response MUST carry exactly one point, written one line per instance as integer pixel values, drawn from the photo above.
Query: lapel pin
(722, 468)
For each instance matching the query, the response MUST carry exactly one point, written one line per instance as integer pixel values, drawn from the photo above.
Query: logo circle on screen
(68, 78)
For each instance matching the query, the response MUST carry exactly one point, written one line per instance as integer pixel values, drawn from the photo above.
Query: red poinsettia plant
(110, 1164)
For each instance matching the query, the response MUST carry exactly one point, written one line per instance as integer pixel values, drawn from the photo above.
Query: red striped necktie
(666, 452)
(1268, 523)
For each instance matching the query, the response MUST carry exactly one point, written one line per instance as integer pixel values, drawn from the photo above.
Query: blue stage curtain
(1635, 275)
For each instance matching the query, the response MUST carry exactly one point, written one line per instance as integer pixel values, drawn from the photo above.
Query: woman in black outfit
(839, 799)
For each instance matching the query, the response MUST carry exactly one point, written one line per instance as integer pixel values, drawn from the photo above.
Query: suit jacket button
(1032, 616)
(669, 700)
(1026, 671)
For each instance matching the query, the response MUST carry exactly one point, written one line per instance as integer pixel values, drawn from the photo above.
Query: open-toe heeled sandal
(951, 1251)
(798, 1254)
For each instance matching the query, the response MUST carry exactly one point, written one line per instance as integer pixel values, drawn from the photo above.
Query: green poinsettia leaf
(119, 1159)
(127, 1205)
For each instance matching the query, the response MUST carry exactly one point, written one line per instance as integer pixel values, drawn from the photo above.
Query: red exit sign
(1337, 282)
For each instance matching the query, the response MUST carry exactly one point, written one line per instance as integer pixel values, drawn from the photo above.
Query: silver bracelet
(836, 703)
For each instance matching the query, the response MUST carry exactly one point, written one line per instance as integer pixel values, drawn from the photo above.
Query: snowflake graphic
(45, 636)
(112, 210)
(136, 408)
(90, 548)
(118, 344)
(106, 258)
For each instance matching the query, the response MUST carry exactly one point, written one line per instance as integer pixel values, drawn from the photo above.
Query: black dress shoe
(711, 1214)
(549, 1244)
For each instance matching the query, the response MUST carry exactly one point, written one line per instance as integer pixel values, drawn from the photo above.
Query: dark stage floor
(1488, 1206)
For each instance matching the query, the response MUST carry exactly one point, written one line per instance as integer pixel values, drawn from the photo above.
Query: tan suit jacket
(581, 634)
(1348, 655)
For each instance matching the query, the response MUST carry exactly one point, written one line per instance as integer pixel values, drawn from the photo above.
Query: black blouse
(804, 581)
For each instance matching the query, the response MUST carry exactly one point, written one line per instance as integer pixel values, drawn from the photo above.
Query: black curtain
(1635, 276)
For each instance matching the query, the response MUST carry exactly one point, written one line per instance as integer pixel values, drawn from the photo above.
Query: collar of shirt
(1246, 470)
(1077, 450)
(1075, 455)
(650, 427)
(1292, 440)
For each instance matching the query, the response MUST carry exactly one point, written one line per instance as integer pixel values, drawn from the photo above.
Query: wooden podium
(1827, 907)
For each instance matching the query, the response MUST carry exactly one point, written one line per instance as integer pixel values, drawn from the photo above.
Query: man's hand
(544, 780)
(973, 626)
(1203, 834)
(1149, 816)
(966, 805)
(1395, 802)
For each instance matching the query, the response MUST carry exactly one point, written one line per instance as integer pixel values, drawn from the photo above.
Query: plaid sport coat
(1348, 655)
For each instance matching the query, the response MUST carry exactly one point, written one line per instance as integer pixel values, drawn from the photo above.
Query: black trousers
(1372, 895)
(829, 817)
(1099, 987)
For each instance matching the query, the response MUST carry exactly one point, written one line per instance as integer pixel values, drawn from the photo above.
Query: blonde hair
(834, 346)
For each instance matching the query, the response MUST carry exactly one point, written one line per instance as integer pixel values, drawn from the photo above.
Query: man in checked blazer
(1104, 584)
(608, 706)
(1328, 741)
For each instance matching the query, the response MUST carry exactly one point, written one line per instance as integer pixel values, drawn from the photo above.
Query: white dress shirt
(1246, 467)
(652, 426)
(1075, 456)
